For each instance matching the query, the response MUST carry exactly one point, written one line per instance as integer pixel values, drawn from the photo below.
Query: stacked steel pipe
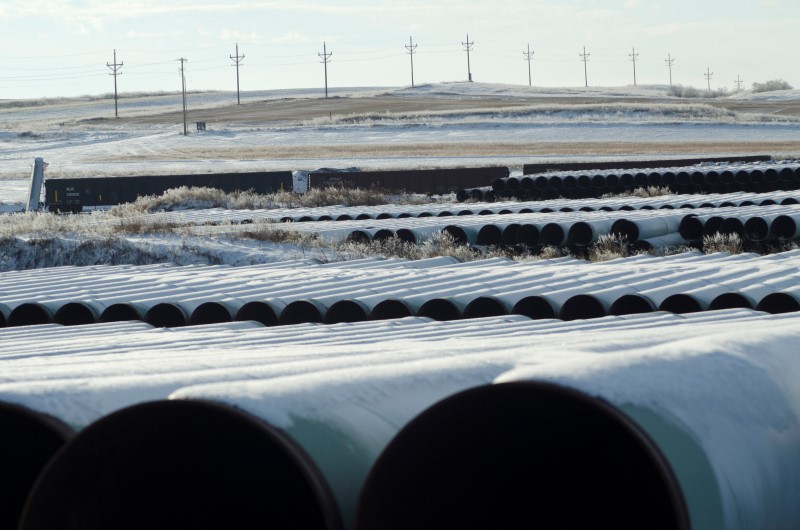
(361, 426)
(705, 178)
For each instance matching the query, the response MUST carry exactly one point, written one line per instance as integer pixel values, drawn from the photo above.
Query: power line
(326, 58)
(237, 60)
(708, 75)
(183, 91)
(670, 61)
(585, 58)
(633, 55)
(528, 57)
(115, 71)
(411, 47)
(739, 82)
(467, 47)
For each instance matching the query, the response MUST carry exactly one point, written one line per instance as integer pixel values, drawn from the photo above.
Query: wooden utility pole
(326, 58)
(411, 47)
(633, 55)
(739, 82)
(708, 75)
(115, 71)
(585, 58)
(183, 90)
(670, 61)
(467, 47)
(528, 57)
(237, 60)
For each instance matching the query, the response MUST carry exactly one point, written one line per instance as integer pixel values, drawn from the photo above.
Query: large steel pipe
(182, 464)
(28, 441)
(520, 454)
(688, 435)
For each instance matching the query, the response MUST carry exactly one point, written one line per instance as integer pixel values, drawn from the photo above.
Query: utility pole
(411, 47)
(183, 89)
(585, 58)
(115, 71)
(709, 74)
(739, 83)
(326, 58)
(633, 55)
(670, 61)
(237, 59)
(467, 47)
(528, 57)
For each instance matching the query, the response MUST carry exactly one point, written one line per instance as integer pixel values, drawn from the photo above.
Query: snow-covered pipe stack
(684, 435)
(283, 444)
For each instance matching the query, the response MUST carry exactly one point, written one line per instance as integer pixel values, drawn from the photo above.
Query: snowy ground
(76, 137)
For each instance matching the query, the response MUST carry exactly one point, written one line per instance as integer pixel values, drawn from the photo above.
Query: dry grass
(730, 243)
(610, 246)
(650, 191)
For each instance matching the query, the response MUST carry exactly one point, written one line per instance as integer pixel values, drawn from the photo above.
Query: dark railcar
(533, 169)
(72, 194)
(429, 181)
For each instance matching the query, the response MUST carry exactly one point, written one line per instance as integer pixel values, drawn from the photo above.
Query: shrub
(771, 85)
(680, 91)
(730, 243)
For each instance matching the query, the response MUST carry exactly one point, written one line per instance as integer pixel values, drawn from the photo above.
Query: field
(355, 359)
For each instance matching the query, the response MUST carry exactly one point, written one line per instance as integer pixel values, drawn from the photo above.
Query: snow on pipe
(694, 434)
(29, 441)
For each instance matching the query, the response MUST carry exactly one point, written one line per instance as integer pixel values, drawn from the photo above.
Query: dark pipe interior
(582, 306)
(732, 225)
(625, 228)
(210, 313)
(344, 217)
(490, 235)
(358, 236)
(363, 216)
(631, 304)
(729, 301)
(458, 234)
(383, 215)
(391, 308)
(776, 303)
(175, 465)
(166, 315)
(439, 309)
(510, 234)
(485, 306)
(534, 307)
(691, 229)
(345, 311)
(28, 442)
(300, 312)
(783, 226)
(29, 314)
(712, 225)
(680, 303)
(404, 234)
(522, 455)
(258, 312)
(120, 313)
(382, 234)
(757, 228)
(552, 234)
(75, 314)
(581, 233)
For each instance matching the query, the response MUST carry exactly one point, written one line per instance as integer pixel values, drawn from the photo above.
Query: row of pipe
(438, 288)
(216, 216)
(760, 177)
(689, 422)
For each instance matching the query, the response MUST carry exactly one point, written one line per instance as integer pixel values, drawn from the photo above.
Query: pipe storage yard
(655, 391)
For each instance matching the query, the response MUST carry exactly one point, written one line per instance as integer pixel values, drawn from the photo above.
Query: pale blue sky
(61, 47)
